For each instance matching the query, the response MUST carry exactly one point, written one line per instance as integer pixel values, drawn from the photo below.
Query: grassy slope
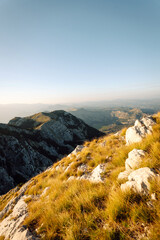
(83, 210)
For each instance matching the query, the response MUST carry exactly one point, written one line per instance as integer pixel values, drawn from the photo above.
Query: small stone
(153, 196)
(71, 178)
(83, 167)
(45, 190)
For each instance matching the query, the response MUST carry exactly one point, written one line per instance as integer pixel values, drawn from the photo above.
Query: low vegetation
(76, 210)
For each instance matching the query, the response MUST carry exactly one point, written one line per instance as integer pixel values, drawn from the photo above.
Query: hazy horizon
(88, 102)
(9, 111)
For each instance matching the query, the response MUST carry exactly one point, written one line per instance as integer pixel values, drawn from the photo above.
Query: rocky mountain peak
(29, 145)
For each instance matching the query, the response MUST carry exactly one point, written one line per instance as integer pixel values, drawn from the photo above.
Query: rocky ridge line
(29, 145)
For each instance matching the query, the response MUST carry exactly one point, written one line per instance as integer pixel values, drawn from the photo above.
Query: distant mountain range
(9, 111)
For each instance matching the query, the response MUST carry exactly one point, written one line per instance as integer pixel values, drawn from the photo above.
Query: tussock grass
(2, 237)
(71, 208)
(155, 228)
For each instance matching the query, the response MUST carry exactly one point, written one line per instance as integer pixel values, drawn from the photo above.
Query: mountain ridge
(28, 147)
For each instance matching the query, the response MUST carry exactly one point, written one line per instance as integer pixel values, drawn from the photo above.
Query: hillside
(109, 120)
(29, 145)
(108, 188)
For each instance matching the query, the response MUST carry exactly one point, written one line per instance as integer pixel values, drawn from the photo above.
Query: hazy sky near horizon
(57, 51)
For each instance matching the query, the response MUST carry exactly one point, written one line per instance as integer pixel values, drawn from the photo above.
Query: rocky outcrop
(140, 129)
(11, 227)
(94, 176)
(132, 162)
(14, 214)
(77, 149)
(14, 200)
(23, 154)
(123, 175)
(29, 145)
(139, 179)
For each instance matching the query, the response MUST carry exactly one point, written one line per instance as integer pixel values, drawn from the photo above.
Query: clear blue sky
(56, 51)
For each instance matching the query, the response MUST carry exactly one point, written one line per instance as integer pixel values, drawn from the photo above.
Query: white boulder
(138, 180)
(140, 129)
(134, 159)
(95, 175)
(123, 175)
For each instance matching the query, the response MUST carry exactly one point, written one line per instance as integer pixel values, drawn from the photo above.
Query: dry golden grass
(2, 237)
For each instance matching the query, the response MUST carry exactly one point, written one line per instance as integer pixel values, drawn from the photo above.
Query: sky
(58, 51)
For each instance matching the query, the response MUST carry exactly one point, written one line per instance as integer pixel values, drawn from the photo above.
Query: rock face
(29, 145)
(140, 129)
(11, 227)
(138, 180)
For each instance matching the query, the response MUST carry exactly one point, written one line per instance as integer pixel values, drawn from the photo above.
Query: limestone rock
(21, 158)
(83, 167)
(134, 159)
(14, 200)
(140, 129)
(11, 227)
(60, 126)
(68, 167)
(78, 149)
(45, 191)
(95, 175)
(139, 180)
(71, 178)
(123, 175)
